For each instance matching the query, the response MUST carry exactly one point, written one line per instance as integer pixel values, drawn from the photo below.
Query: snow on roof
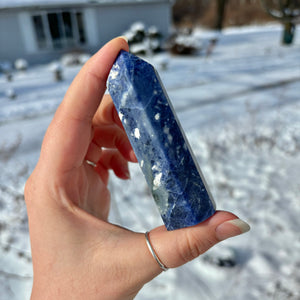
(28, 3)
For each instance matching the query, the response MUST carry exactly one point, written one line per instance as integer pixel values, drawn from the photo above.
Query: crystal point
(160, 145)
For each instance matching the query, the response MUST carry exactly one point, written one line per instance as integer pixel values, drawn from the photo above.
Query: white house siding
(112, 21)
(11, 41)
(92, 27)
(28, 37)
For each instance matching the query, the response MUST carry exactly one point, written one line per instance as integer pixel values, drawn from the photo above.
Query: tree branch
(286, 12)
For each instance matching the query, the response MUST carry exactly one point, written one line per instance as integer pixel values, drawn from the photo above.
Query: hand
(76, 253)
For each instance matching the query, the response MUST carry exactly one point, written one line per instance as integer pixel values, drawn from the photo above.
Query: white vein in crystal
(137, 134)
(121, 116)
(155, 168)
(157, 181)
(114, 72)
(167, 132)
(125, 96)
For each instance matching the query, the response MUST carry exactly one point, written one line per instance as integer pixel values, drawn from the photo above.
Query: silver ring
(91, 163)
(161, 265)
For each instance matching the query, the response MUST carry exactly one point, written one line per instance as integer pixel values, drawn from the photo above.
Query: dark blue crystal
(160, 145)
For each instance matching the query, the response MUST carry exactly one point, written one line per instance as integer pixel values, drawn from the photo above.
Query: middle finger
(113, 137)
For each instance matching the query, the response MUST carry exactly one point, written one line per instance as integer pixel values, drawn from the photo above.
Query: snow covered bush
(184, 43)
(74, 59)
(183, 46)
(21, 64)
(190, 42)
(136, 33)
(57, 70)
(142, 39)
(11, 94)
(69, 59)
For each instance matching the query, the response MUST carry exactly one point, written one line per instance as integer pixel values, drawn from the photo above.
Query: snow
(240, 108)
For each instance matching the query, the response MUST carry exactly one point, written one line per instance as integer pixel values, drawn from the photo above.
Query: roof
(4, 4)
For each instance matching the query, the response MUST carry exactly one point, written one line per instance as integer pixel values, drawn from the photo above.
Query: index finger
(69, 134)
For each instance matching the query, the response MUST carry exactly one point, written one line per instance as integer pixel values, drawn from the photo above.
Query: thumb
(175, 248)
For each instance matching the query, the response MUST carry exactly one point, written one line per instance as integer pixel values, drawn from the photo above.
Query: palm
(89, 192)
(101, 141)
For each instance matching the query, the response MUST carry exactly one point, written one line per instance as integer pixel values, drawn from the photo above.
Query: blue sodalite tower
(160, 145)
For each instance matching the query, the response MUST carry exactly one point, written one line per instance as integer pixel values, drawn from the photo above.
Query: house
(42, 30)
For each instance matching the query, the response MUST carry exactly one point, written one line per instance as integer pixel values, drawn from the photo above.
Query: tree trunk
(221, 4)
(288, 33)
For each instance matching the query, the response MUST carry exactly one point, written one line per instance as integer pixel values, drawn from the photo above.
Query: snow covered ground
(240, 108)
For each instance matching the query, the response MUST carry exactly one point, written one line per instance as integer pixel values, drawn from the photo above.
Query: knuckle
(121, 141)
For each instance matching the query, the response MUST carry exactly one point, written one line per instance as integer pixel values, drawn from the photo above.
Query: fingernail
(132, 156)
(231, 228)
(126, 173)
(124, 38)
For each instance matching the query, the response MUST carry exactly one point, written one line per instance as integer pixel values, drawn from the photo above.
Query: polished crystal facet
(160, 145)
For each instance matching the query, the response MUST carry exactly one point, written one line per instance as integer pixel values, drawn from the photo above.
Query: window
(39, 31)
(80, 27)
(55, 30)
(68, 28)
(59, 29)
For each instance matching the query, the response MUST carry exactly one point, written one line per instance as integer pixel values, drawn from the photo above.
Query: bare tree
(221, 5)
(287, 12)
